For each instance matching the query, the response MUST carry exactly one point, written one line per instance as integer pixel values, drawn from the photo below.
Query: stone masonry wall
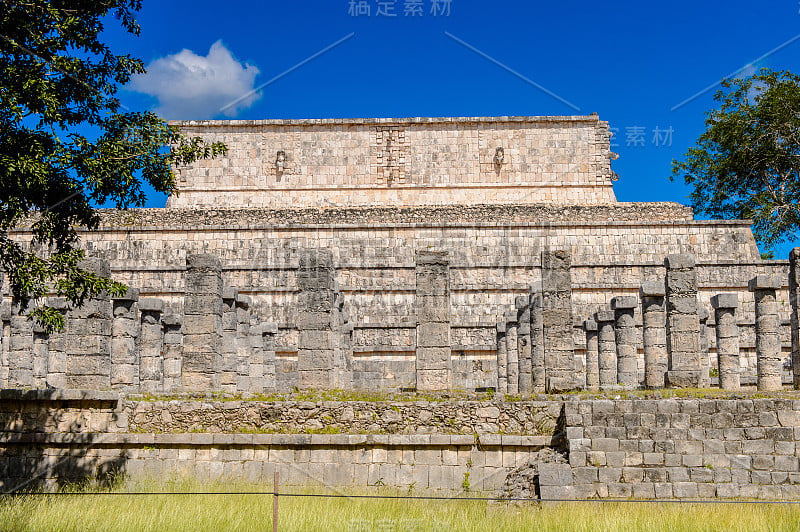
(417, 161)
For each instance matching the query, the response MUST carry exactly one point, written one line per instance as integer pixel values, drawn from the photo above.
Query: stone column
(538, 373)
(202, 324)
(654, 333)
(592, 362)
(57, 350)
(41, 356)
(268, 333)
(626, 338)
(434, 365)
(705, 360)
(20, 359)
(5, 333)
(255, 338)
(151, 342)
(683, 322)
(124, 337)
(725, 306)
(794, 298)
(228, 350)
(557, 321)
(512, 344)
(89, 337)
(606, 349)
(768, 340)
(502, 356)
(242, 343)
(318, 364)
(173, 351)
(524, 342)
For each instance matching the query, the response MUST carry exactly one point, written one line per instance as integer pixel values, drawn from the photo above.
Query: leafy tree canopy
(67, 144)
(747, 162)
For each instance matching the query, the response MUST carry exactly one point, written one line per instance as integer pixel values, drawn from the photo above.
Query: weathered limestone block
(89, 337)
(538, 373)
(625, 335)
(607, 349)
(557, 321)
(727, 331)
(794, 298)
(524, 343)
(768, 340)
(705, 360)
(57, 350)
(512, 346)
(203, 324)
(20, 361)
(683, 322)
(433, 361)
(151, 341)
(320, 363)
(502, 356)
(173, 351)
(592, 362)
(654, 332)
(124, 337)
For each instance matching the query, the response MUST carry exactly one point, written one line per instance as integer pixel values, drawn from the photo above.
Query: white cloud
(189, 86)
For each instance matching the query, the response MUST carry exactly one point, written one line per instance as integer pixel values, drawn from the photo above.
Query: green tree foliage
(67, 144)
(747, 162)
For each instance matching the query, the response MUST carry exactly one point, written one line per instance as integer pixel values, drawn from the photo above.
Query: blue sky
(632, 62)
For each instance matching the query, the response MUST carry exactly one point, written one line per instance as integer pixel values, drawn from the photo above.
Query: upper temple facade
(400, 162)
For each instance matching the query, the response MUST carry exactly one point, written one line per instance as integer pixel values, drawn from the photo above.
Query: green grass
(254, 512)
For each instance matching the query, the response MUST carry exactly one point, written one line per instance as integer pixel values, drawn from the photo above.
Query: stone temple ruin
(431, 255)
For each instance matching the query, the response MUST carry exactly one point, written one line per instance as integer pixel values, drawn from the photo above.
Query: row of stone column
(535, 347)
(674, 334)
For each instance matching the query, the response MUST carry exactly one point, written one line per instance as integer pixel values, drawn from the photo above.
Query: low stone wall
(419, 461)
(352, 417)
(641, 448)
(682, 449)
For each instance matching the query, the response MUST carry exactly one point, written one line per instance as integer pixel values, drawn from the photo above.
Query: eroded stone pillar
(538, 373)
(89, 336)
(705, 359)
(768, 340)
(727, 331)
(512, 346)
(502, 356)
(626, 339)
(202, 324)
(268, 333)
(794, 298)
(228, 348)
(173, 351)
(5, 333)
(683, 322)
(606, 349)
(557, 321)
(592, 362)
(57, 350)
(434, 364)
(151, 342)
(524, 342)
(243, 350)
(654, 333)
(124, 337)
(20, 359)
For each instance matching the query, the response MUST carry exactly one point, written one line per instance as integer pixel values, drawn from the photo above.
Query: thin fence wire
(396, 497)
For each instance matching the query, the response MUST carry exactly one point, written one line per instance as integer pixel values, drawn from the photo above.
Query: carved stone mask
(499, 156)
(280, 161)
